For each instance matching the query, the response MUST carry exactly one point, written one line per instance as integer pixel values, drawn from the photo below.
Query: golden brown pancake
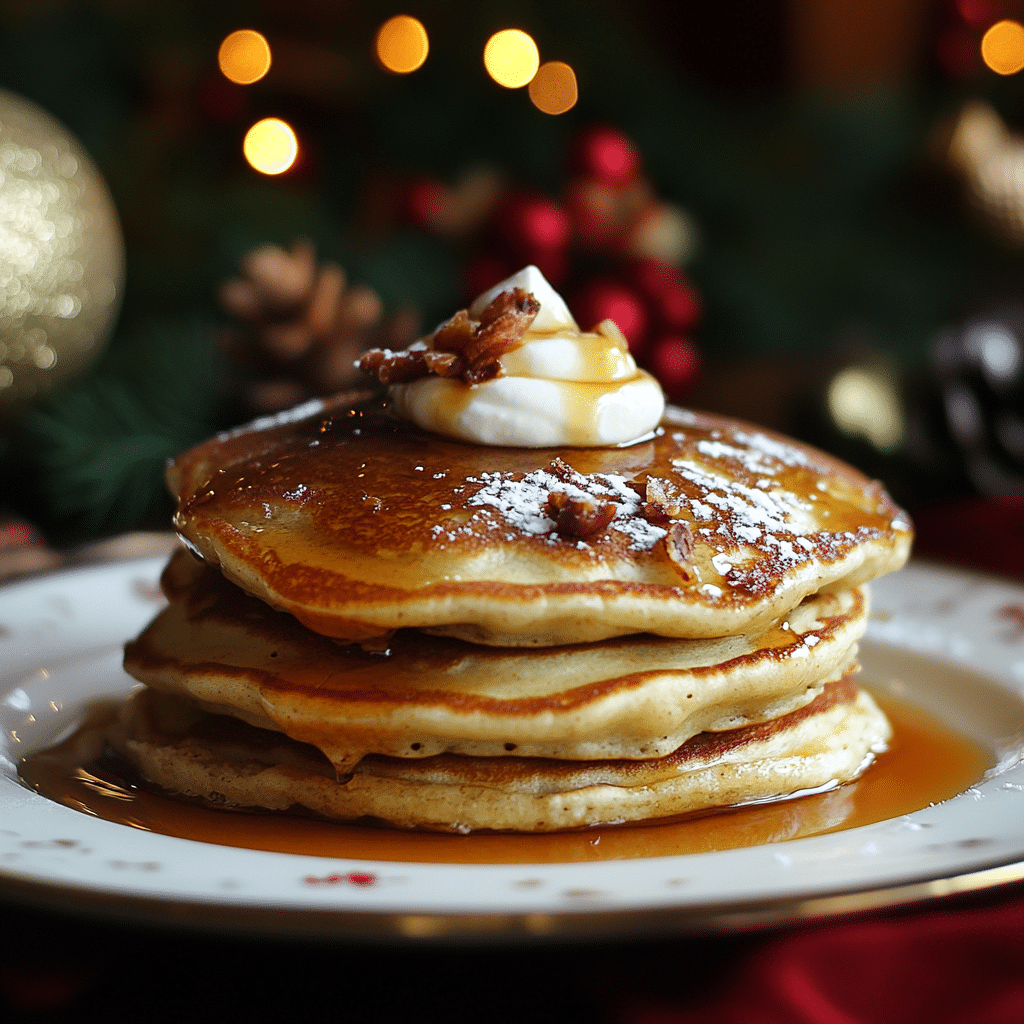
(183, 748)
(629, 697)
(359, 524)
(397, 625)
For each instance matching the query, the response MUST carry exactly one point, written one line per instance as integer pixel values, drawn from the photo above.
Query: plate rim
(577, 923)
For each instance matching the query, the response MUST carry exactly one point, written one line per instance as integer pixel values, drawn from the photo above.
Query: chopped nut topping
(658, 503)
(665, 510)
(401, 367)
(679, 547)
(579, 516)
(561, 469)
(461, 347)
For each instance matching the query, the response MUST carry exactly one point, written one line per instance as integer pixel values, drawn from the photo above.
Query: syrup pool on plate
(927, 762)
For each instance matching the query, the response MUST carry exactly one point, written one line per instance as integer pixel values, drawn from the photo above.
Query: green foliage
(89, 459)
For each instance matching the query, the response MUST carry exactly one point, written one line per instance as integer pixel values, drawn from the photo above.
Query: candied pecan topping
(455, 334)
(401, 367)
(461, 347)
(665, 510)
(679, 546)
(658, 502)
(502, 326)
(563, 471)
(579, 516)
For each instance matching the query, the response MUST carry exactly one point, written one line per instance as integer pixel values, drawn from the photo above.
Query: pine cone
(302, 327)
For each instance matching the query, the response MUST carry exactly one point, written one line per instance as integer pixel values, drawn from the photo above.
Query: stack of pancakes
(383, 623)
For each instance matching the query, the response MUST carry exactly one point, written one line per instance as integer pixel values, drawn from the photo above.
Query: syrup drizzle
(926, 762)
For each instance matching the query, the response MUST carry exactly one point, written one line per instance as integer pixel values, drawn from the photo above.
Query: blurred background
(807, 213)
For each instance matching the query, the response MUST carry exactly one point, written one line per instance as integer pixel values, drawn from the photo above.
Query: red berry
(427, 203)
(534, 229)
(675, 361)
(978, 13)
(607, 155)
(545, 224)
(530, 224)
(607, 299)
(673, 299)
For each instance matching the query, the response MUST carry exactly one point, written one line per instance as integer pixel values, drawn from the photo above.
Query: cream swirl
(561, 386)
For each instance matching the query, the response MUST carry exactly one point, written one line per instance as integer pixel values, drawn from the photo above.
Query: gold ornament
(61, 254)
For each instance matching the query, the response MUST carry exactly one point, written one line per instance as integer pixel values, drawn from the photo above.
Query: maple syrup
(926, 762)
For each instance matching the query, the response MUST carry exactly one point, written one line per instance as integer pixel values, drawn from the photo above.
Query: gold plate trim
(662, 922)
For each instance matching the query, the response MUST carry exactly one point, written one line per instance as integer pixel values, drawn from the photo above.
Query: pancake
(519, 594)
(632, 697)
(183, 748)
(358, 523)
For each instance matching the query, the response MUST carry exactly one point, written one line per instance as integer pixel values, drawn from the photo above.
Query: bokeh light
(1002, 47)
(997, 349)
(990, 158)
(270, 146)
(553, 89)
(244, 56)
(511, 58)
(402, 44)
(863, 401)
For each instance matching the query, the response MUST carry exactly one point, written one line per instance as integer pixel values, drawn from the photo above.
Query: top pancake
(358, 523)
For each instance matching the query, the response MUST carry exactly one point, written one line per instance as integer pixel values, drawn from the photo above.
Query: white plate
(950, 641)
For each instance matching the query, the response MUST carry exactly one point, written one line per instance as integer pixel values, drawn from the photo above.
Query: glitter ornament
(61, 255)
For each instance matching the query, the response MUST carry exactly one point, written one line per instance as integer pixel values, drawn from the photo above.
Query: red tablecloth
(963, 967)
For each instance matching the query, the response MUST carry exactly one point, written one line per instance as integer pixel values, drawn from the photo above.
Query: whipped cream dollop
(561, 386)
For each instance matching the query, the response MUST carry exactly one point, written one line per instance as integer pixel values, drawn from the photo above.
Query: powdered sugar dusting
(746, 507)
(522, 502)
(757, 453)
(787, 454)
(760, 533)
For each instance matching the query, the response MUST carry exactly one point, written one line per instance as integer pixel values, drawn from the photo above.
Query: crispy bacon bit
(579, 516)
(461, 347)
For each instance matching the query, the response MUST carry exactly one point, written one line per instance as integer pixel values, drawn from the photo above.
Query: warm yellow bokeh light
(270, 146)
(511, 58)
(864, 402)
(1002, 47)
(553, 89)
(244, 56)
(402, 44)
